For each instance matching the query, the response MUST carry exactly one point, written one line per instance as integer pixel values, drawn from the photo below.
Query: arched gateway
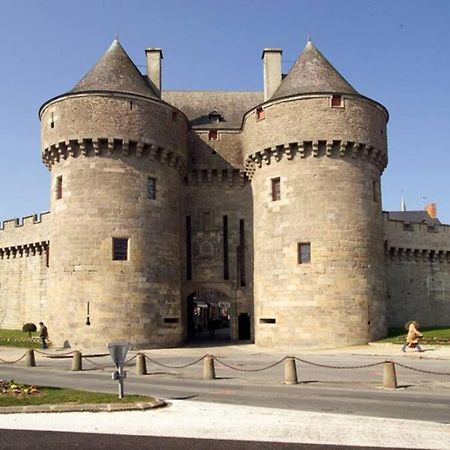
(208, 316)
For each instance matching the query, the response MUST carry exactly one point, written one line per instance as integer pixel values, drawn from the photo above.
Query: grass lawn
(16, 395)
(431, 335)
(18, 338)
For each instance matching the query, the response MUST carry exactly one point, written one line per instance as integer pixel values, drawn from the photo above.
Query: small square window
(151, 188)
(336, 101)
(276, 189)
(304, 252)
(213, 135)
(59, 187)
(120, 249)
(260, 114)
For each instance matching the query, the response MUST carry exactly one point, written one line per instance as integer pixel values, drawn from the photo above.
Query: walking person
(43, 334)
(412, 339)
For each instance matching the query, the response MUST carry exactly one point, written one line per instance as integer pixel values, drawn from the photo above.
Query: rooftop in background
(428, 215)
(198, 106)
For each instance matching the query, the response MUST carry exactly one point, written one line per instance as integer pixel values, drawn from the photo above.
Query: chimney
(154, 57)
(431, 209)
(272, 70)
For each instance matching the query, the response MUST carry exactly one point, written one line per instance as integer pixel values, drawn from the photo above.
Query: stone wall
(104, 148)
(418, 273)
(24, 246)
(328, 161)
(214, 189)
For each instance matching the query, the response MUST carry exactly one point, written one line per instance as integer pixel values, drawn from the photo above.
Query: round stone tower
(315, 151)
(117, 154)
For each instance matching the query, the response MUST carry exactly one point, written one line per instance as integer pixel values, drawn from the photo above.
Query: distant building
(174, 210)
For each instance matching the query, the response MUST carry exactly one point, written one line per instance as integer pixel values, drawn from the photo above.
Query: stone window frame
(260, 113)
(114, 249)
(154, 180)
(213, 135)
(59, 187)
(301, 259)
(334, 97)
(276, 188)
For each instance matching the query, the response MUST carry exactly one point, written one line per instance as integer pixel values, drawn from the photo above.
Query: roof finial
(309, 38)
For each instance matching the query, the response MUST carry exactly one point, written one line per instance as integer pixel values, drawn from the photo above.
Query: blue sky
(396, 52)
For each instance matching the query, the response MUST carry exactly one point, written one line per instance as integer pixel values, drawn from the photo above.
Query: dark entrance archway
(208, 317)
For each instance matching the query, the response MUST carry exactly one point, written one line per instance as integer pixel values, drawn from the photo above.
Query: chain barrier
(431, 372)
(250, 370)
(175, 367)
(13, 362)
(363, 366)
(97, 365)
(129, 360)
(53, 354)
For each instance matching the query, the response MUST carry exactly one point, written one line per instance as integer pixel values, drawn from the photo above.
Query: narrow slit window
(267, 320)
(376, 190)
(304, 252)
(151, 188)
(120, 249)
(276, 189)
(52, 122)
(174, 115)
(59, 191)
(336, 101)
(188, 249)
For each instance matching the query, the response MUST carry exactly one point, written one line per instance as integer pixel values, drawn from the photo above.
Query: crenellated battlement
(29, 229)
(229, 177)
(412, 241)
(87, 147)
(316, 149)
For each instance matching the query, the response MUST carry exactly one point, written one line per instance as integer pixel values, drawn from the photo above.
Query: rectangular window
(260, 114)
(276, 189)
(212, 135)
(336, 100)
(59, 192)
(151, 188)
(304, 252)
(120, 249)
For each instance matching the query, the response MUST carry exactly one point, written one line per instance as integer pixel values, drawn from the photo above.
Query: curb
(86, 407)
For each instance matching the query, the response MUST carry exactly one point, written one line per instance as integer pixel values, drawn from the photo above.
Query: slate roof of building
(198, 105)
(115, 72)
(312, 73)
(413, 216)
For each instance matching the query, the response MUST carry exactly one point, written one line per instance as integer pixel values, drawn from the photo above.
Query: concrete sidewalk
(185, 418)
(382, 350)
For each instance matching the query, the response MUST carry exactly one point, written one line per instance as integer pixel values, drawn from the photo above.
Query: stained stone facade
(269, 199)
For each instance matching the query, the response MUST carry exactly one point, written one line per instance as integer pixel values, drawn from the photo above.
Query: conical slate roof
(115, 71)
(312, 73)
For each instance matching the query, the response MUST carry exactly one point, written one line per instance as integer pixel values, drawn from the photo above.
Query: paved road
(422, 397)
(51, 440)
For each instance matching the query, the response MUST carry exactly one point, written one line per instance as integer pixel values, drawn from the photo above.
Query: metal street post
(118, 352)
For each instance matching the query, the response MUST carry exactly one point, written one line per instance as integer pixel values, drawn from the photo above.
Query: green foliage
(14, 338)
(15, 394)
(431, 335)
(29, 328)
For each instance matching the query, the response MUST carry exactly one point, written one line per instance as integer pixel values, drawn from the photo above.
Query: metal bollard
(208, 368)
(29, 360)
(141, 367)
(77, 362)
(389, 377)
(290, 371)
